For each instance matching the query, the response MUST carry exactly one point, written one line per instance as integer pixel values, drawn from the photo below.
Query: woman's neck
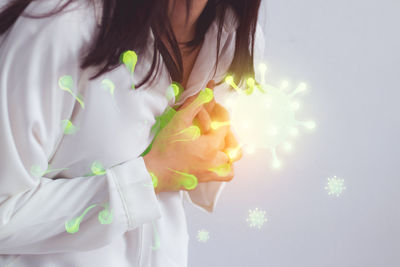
(183, 31)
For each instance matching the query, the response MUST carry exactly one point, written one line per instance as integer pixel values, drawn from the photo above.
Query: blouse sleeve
(38, 214)
(205, 196)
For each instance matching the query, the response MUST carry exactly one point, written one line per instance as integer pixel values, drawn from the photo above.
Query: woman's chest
(188, 61)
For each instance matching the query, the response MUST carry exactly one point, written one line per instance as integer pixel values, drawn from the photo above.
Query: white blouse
(73, 189)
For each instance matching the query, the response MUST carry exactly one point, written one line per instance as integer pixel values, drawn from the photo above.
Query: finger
(219, 113)
(188, 101)
(210, 105)
(190, 111)
(232, 147)
(220, 159)
(204, 120)
(207, 145)
(209, 176)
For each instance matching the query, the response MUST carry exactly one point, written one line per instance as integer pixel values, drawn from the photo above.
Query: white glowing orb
(203, 235)
(256, 218)
(264, 116)
(335, 186)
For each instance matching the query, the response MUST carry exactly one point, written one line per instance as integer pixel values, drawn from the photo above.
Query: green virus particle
(161, 122)
(105, 216)
(233, 153)
(130, 58)
(192, 132)
(215, 125)
(188, 181)
(335, 186)
(97, 169)
(72, 226)
(108, 85)
(154, 180)
(37, 171)
(68, 127)
(66, 83)
(174, 91)
(222, 170)
(203, 236)
(157, 242)
(270, 118)
(205, 96)
(256, 218)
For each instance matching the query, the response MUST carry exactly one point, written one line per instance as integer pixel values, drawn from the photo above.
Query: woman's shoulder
(76, 20)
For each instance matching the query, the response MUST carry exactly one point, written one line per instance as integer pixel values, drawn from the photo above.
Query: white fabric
(112, 129)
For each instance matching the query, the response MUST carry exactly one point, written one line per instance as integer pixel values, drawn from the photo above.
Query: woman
(82, 182)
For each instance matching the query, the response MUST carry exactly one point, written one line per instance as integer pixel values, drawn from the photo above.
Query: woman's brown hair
(126, 25)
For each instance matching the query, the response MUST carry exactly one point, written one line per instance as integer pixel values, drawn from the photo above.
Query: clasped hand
(196, 146)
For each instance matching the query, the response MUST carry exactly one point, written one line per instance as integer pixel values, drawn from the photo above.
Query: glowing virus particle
(192, 132)
(174, 91)
(335, 186)
(269, 121)
(105, 216)
(154, 179)
(233, 153)
(108, 85)
(161, 122)
(69, 127)
(203, 236)
(222, 170)
(97, 169)
(72, 226)
(188, 181)
(157, 242)
(66, 83)
(217, 124)
(130, 58)
(256, 218)
(37, 171)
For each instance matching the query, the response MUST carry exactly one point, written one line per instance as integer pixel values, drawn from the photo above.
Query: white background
(348, 52)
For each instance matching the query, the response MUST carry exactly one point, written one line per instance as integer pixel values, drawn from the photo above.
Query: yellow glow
(222, 170)
(154, 179)
(188, 181)
(192, 131)
(229, 80)
(265, 118)
(233, 153)
(217, 124)
(250, 82)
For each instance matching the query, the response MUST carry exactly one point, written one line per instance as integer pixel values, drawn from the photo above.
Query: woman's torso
(111, 129)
